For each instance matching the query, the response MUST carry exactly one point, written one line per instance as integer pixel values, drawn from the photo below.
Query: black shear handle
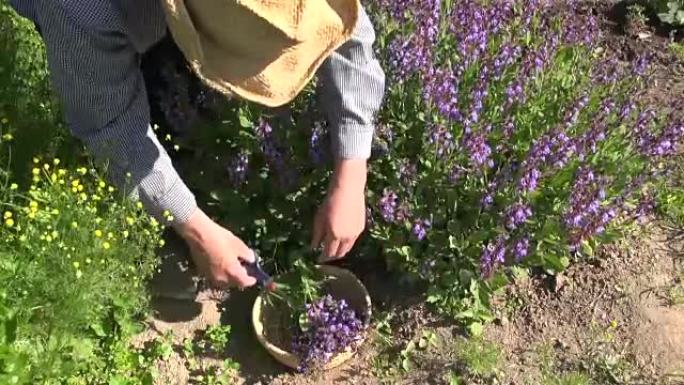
(254, 270)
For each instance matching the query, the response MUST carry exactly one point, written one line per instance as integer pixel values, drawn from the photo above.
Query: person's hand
(217, 252)
(342, 216)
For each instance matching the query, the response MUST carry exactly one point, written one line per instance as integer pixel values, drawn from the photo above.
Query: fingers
(246, 254)
(332, 244)
(345, 247)
(238, 276)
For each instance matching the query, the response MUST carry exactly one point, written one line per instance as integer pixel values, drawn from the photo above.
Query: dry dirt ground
(618, 317)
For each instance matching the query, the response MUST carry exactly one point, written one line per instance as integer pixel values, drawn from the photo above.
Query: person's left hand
(342, 216)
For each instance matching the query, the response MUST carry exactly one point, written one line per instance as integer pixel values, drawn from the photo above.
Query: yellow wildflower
(4, 120)
(98, 220)
(98, 233)
(61, 172)
(83, 196)
(139, 204)
(32, 215)
(55, 234)
(88, 260)
(46, 166)
(35, 171)
(130, 221)
(162, 243)
(154, 223)
(7, 215)
(102, 184)
(110, 189)
(55, 212)
(14, 186)
(168, 137)
(80, 188)
(74, 225)
(74, 190)
(79, 274)
(125, 233)
(53, 177)
(106, 245)
(56, 161)
(22, 238)
(36, 160)
(48, 238)
(110, 235)
(82, 170)
(7, 137)
(35, 179)
(176, 147)
(9, 222)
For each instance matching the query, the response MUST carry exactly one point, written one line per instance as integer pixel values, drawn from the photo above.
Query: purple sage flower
(420, 228)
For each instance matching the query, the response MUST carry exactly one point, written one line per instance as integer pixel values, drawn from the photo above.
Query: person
(257, 50)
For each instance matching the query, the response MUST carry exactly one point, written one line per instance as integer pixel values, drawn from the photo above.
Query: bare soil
(615, 308)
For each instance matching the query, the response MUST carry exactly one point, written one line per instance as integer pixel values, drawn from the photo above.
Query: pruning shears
(254, 269)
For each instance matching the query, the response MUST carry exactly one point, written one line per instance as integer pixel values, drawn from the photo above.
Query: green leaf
(118, 380)
(452, 242)
(99, 331)
(406, 364)
(476, 329)
(454, 379)
(555, 263)
(422, 343)
(244, 121)
(432, 298)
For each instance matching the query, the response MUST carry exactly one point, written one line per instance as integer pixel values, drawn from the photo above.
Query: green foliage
(568, 379)
(677, 49)
(29, 116)
(670, 198)
(669, 11)
(479, 356)
(447, 189)
(74, 258)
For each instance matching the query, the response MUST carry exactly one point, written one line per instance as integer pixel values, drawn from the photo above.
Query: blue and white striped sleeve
(97, 74)
(351, 90)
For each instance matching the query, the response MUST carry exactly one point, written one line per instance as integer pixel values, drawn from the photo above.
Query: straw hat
(264, 51)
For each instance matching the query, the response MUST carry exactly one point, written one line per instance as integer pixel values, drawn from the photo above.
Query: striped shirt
(94, 49)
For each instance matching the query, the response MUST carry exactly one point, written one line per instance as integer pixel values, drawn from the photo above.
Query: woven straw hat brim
(265, 51)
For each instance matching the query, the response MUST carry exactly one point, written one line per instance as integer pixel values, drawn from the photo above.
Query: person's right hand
(217, 252)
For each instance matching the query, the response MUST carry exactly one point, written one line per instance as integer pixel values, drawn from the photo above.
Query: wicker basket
(341, 284)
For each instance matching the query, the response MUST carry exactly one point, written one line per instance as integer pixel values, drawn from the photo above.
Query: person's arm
(351, 90)
(97, 76)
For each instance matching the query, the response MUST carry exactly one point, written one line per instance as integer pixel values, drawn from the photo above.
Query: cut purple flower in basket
(330, 327)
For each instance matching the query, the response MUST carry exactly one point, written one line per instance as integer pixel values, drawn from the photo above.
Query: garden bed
(447, 308)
